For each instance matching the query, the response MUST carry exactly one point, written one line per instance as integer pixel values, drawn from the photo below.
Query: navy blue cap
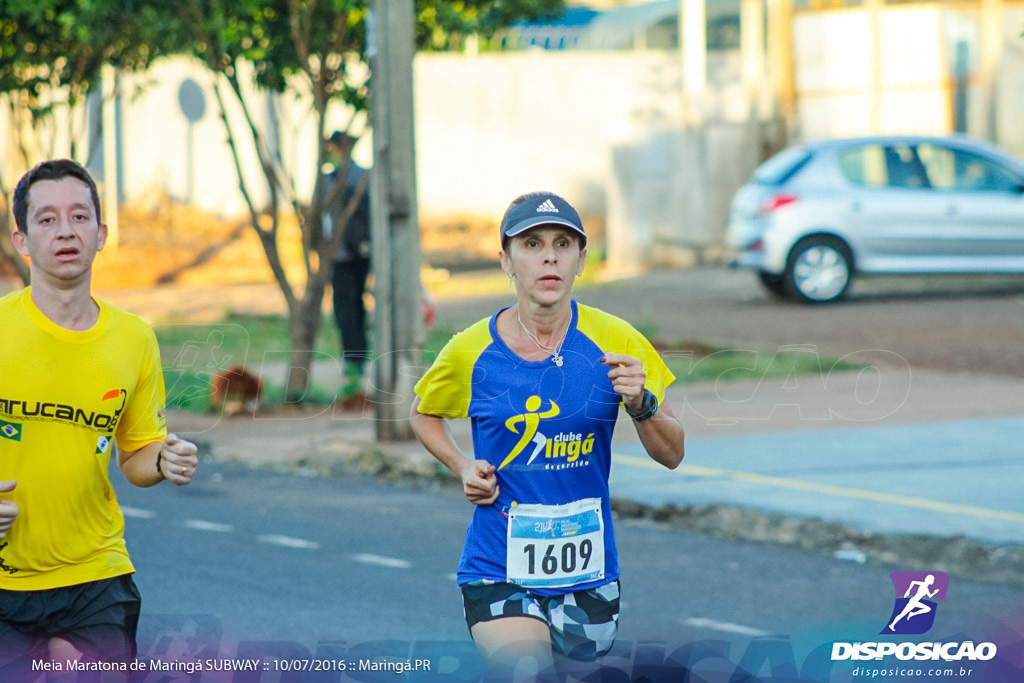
(536, 209)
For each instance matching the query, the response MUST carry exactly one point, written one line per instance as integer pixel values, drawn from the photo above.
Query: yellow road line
(841, 491)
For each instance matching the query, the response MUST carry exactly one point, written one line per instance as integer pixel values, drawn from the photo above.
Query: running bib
(555, 546)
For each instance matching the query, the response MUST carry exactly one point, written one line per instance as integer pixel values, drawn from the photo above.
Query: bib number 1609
(556, 545)
(564, 561)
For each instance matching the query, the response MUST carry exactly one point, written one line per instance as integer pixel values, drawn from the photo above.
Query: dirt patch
(162, 241)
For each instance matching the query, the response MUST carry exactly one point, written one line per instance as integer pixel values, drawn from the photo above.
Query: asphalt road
(253, 563)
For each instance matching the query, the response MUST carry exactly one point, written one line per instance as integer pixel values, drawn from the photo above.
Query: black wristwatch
(647, 409)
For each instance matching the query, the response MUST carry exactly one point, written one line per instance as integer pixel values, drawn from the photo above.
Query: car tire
(773, 283)
(818, 271)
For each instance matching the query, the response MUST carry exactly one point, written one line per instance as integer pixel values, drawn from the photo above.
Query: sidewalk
(916, 469)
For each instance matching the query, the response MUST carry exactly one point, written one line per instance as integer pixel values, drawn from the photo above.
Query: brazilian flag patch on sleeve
(10, 430)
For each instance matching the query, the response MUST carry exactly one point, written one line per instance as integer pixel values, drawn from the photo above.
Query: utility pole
(752, 58)
(780, 67)
(111, 199)
(990, 42)
(394, 224)
(693, 50)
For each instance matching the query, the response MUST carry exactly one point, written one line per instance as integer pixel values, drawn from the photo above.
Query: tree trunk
(10, 256)
(304, 321)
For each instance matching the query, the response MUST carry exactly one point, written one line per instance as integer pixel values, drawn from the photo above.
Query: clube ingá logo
(914, 610)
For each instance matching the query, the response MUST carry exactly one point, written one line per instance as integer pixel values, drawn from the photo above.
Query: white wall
(155, 139)
(494, 126)
(843, 90)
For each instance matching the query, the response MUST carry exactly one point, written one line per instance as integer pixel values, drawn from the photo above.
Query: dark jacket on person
(355, 244)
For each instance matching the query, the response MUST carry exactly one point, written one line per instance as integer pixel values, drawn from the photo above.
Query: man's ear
(101, 241)
(18, 237)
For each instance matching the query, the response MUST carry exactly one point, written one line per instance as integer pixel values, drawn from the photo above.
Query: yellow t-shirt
(64, 397)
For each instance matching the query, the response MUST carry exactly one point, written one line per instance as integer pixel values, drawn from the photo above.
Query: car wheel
(818, 271)
(772, 282)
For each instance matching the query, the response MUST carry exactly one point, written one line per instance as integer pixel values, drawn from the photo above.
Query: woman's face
(545, 261)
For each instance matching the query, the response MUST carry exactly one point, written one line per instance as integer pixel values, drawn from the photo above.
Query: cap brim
(523, 226)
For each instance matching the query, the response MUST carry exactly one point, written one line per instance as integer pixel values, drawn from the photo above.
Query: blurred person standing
(79, 379)
(543, 381)
(351, 261)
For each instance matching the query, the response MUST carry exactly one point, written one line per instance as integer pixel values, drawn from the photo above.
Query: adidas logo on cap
(537, 209)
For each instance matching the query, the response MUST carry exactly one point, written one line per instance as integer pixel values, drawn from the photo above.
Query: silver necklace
(556, 351)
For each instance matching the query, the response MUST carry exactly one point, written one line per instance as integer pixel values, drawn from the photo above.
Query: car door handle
(951, 210)
(855, 207)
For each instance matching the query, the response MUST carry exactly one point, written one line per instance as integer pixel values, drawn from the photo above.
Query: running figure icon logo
(530, 421)
(916, 592)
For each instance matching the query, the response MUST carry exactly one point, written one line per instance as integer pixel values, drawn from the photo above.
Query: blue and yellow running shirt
(548, 431)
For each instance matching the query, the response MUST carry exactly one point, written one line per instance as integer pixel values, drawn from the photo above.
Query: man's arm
(8, 508)
(173, 459)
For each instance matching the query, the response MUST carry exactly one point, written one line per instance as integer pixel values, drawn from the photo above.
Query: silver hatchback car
(813, 216)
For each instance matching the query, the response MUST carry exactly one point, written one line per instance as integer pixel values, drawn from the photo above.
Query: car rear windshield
(781, 167)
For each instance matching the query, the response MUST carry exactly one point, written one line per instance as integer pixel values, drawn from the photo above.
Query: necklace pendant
(557, 360)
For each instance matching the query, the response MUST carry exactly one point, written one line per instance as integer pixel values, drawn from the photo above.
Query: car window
(864, 165)
(877, 165)
(960, 170)
(781, 167)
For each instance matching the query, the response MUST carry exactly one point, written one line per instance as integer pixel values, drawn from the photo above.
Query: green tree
(314, 50)
(51, 52)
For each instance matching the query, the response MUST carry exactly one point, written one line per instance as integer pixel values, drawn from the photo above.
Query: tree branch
(268, 238)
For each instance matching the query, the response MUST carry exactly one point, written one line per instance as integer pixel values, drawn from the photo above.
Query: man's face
(63, 234)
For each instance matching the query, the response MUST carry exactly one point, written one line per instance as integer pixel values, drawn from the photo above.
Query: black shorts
(583, 624)
(99, 618)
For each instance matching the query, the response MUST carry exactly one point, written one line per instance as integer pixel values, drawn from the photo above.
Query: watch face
(647, 408)
(650, 404)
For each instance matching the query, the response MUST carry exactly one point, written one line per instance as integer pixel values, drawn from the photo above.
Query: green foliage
(280, 38)
(60, 44)
(441, 24)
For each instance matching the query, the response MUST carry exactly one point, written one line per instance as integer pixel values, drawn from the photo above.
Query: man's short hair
(53, 169)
